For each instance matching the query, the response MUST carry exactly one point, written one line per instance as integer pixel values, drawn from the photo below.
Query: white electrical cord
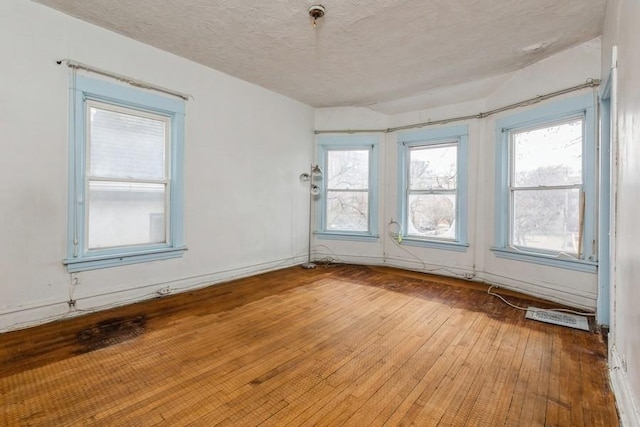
(73, 283)
(328, 259)
(560, 310)
(396, 237)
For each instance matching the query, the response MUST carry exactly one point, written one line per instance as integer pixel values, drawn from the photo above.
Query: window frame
(549, 114)
(84, 92)
(348, 143)
(458, 135)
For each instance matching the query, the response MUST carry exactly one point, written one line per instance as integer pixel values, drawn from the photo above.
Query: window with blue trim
(125, 182)
(546, 185)
(347, 207)
(433, 187)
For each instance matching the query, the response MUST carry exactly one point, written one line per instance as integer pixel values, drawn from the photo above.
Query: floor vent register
(557, 318)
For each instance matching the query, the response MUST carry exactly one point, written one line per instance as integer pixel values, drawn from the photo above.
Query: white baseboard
(573, 298)
(48, 311)
(405, 264)
(625, 398)
(570, 297)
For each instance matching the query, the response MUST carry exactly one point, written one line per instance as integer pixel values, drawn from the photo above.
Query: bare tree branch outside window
(431, 199)
(546, 184)
(347, 204)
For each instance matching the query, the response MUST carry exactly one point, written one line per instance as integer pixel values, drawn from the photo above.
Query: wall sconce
(315, 173)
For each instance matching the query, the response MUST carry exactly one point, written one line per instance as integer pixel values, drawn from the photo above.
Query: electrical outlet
(164, 291)
(469, 276)
(72, 303)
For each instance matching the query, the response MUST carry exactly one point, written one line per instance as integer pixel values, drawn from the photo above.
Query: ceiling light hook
(316, 12)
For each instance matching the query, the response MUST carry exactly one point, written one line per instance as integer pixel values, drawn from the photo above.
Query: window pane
(433, 168)
(548, 156)
(546, 219)
(348, 170)
(432, 215)
(126, 146)
(123, 214)
(348, 210)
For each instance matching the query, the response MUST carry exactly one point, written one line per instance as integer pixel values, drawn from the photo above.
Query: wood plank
(236, 368)
(339, 345)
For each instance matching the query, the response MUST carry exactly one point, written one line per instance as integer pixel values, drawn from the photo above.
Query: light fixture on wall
(314, 190)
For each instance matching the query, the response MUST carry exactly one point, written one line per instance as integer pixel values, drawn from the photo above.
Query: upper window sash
(327, 144)
(161, 118)
(430, 189)
(553, 113)
(85, 92)
(434, 138)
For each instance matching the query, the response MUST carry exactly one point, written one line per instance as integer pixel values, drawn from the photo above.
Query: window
(433, 187)
(348, 201)
(125, 183)
(546, 186)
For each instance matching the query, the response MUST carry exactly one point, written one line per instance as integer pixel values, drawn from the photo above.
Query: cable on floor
(559, 310)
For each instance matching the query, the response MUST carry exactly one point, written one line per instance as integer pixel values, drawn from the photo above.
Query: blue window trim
(548, 260)
(435, 244)
(552, 112)
(604, 209)
(84, 89)
(343, 235)
(431, 137)
(349, 142)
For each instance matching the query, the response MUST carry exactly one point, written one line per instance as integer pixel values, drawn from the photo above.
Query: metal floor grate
(557, 318)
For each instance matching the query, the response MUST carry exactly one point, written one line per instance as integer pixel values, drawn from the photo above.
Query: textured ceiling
(363, 52)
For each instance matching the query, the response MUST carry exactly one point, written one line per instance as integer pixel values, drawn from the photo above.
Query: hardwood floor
(339, 345)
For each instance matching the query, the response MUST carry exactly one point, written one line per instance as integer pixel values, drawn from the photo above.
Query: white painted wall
(569, 68)
(621, 30)
(245, 210)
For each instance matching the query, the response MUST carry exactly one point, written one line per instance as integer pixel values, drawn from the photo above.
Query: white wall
(245, 210)
(569, 68)
(621, 29)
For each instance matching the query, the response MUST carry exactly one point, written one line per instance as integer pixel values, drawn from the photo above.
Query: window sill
(113, 260)
(347, 236)
(435, 244)
(548, 260)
